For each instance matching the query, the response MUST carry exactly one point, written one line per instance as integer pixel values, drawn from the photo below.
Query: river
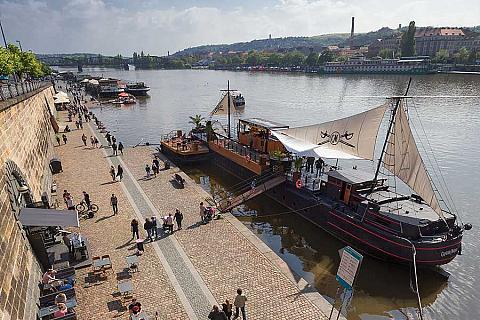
(452, 125)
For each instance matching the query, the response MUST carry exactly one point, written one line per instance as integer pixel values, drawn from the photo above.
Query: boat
(125, 98)
(137, 89)
(396, 213)
(238, 99)
(407, 65)
(109, 87)
(182, 149)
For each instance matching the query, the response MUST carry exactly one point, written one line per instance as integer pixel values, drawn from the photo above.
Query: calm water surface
(452, 125)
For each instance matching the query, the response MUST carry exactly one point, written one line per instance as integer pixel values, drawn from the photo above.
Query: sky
(123, 26)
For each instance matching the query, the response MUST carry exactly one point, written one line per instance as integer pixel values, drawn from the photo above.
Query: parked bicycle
(82, 207)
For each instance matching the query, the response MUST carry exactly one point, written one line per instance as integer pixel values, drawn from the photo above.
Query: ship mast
(392, 121)
(228, 93)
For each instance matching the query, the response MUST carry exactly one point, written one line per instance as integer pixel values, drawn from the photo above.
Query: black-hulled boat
(137, 89)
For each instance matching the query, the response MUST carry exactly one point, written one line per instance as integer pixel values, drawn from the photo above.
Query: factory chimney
(352, 32)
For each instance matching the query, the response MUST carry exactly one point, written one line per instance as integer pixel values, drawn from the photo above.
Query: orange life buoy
(298, 183)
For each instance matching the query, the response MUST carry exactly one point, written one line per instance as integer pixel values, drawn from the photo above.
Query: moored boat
(137, 89)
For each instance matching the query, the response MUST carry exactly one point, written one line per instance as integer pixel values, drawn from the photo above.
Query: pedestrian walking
(114, 148)
(178, 218)
(77, 125)
(227, 308)
(80, 123)
(147, 170)
(64, 137)
(156, 162)
(120, 172)
(84, 139)
(114, 140)
(169, 223)
(92, 141)
(58, 139)
(202, 212)
(148, 228)
(120, 148)
(154, 169)
(96, 142)
(70, 203)
(114, 203)
(134, 228)
(109, 138)
(239, 304)
(112, 172)
(217, 314)
(154, 227)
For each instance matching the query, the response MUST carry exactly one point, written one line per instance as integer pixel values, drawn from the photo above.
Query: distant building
(429, 40)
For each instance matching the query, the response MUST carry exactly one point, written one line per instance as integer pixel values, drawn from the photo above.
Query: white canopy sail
(403, 159)
(222, 106)
(348, 138)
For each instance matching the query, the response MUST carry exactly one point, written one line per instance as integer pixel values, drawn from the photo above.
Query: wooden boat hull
(180, 158)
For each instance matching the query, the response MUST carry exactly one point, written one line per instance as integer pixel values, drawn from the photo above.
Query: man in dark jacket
(217, 314)
(148, 228)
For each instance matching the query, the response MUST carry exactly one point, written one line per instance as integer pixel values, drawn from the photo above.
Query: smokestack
(352, 32)
(399, 26)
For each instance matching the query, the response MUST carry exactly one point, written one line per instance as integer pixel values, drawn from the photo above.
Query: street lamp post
(20, 45)
(3, 34)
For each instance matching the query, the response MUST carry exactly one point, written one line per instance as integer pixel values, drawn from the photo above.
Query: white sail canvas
(348, 138)
(222, 106)
(403, 159)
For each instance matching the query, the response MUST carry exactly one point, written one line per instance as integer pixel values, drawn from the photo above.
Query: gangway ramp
(230, 203)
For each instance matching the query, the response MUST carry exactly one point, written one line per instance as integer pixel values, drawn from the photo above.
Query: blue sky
(124, 26)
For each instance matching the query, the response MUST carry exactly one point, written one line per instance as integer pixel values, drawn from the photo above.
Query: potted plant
(297, 164)
(197, 122)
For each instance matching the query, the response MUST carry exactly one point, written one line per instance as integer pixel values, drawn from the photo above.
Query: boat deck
(185, 147)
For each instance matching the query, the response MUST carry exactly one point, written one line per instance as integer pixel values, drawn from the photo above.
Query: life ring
(298, 184)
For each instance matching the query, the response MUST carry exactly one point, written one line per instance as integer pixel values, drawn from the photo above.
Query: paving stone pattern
(86, 168)
(224, 258)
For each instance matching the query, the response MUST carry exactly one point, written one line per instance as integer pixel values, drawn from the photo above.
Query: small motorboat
(125, 98)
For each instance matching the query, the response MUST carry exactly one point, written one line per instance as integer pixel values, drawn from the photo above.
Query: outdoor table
(47, 311)
(139, 316)
(125, 287)
(132, 260)
(100, 263)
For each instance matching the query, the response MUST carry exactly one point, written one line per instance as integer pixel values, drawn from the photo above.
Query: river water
(452, 125)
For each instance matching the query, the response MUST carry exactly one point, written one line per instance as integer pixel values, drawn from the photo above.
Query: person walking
(154, 169)
(109, 138)
(202, 212)
(92, 141)
(147, 170)
(134, 228)
(114, 148)
(227, 308)
(120, 148)
(64, 137)
(217, 314)
(120, 172)
(96, 142)
(239, 304)
(178, 218)
(84, 139)
(114, 140)
(154, 227)
(156, 162)
(112, 172)
(69, 202)
(58, 139)
(114, 203)
(148, 228)
(169, 223)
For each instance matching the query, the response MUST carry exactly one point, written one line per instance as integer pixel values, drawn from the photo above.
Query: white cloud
(95, 26)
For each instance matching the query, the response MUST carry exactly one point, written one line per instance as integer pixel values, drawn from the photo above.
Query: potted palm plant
(196, 120)
(297, 164)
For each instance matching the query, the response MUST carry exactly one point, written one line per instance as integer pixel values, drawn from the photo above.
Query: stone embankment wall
(26, 147)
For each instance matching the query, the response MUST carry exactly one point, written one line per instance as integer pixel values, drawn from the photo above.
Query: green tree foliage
(326, 56)
(386, 53)
(462, 55)
(293, 59)
(407, 44)
(311, 59)
(253, 58)
(13, 61)
(441, 56)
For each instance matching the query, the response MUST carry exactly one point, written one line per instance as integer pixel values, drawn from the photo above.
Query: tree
(461, 56)
(274, 59)
(253, 58)
(293, 58)
(386, 53)
(6, 64)
(441, 56)
(326, 56)
(311, 59)
(407, 44)
(196, 121)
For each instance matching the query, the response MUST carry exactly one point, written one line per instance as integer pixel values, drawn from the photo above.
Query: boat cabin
(256, 133)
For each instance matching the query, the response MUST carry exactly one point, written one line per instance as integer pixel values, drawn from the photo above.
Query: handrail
(16, 89)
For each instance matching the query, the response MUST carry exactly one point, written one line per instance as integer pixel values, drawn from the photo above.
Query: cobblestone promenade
(181, 275)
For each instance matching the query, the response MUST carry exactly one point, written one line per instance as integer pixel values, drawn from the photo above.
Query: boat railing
(239, 149)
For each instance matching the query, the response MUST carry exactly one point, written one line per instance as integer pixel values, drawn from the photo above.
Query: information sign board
(349, 264)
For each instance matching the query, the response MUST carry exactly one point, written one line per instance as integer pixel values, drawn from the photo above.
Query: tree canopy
(14, 61)
(407, 44)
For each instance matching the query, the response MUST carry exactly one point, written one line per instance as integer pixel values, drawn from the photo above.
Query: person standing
(92, 141)
(114, 140)
(178, 218)
(134, 227)
(69, 202)
(148, 228)
(109, 138)
(154, 227)
(114, 203)
(96, 142)
(169, 223)
(154, 169)
(310, 161)
(202, 212)
(239, 304)
(156, 162)
(114, 148)
(120, 148)
(84, 139)
(227, 308)
(112, 172)
(120, 172)
(64, 137)
(319, 165)
(147, 170)
(217, 314)
(86, 199)
(58, 139)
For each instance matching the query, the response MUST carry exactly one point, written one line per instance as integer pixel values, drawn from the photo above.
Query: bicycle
(82, 207)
